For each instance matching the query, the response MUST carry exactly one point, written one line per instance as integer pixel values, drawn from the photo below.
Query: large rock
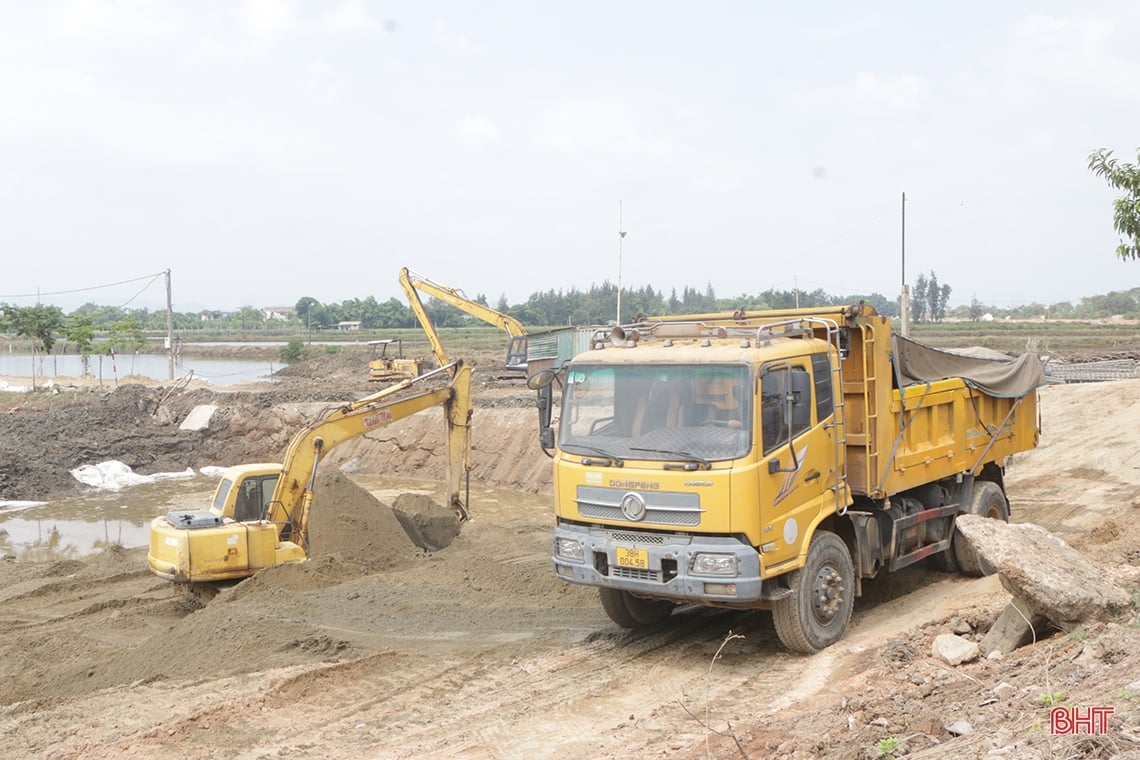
(1047, 575)
(199, 417)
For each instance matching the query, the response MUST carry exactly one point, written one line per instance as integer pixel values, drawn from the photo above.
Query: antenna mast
(621, 239)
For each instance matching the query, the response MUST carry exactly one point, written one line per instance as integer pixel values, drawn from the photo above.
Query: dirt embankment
(45, 435)
(377, 648)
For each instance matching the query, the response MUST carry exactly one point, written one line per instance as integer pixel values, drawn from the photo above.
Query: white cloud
(321, 83)
(476, 130)
(350, 16)
(34, 98)
(900, 93)
(267, 21)
(1037, 25)
(210, 49)
(115, 19)
(607, 137)
(599, 128)
(1085, 52)
(853, 29)
(457, 42)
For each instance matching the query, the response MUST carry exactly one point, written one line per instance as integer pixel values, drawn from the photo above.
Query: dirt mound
(352, 524)
(43, 436)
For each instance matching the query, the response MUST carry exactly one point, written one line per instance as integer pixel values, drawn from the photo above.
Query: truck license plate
(638, 558)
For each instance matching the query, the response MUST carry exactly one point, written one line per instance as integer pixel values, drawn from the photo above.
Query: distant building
(348, 326)
(210, 316)
(278, 313)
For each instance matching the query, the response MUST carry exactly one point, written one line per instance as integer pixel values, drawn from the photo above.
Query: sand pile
(354, 525)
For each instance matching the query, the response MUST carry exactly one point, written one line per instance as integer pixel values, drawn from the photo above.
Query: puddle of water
(84, 524)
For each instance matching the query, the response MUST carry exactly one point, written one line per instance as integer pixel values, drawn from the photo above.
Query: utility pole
(904, 299)
(621, 239)
(169, 330)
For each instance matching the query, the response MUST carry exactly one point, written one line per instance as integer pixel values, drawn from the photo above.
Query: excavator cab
(253, 497)
(516, 353)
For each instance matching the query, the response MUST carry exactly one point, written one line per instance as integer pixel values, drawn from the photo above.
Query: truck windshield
(667, 413)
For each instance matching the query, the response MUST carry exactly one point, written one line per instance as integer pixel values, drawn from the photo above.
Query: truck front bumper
(716, 570)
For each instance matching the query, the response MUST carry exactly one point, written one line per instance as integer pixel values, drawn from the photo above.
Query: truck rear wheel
(987, 500)
(817, 614)
(631, 611)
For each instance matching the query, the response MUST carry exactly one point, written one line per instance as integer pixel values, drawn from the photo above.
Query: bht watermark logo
(1076, 720)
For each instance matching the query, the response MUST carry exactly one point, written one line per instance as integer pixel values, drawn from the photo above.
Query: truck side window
(824, 403)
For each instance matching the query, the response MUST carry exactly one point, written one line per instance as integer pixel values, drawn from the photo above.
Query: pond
(110, 369)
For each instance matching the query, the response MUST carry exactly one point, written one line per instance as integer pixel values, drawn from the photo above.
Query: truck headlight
(568, 548)
(715, 564)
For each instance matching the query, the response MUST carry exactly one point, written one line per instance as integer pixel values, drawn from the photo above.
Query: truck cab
(692, 473)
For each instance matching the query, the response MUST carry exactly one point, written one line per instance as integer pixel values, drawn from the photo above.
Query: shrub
(292, 350)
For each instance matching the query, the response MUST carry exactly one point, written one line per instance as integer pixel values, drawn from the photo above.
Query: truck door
(797, 468)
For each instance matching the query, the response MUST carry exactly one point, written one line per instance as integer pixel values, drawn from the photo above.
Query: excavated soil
(380, 648)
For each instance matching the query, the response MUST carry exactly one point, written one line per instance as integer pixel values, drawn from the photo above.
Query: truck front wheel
(631, 611)
(987, 500)
(817, 614)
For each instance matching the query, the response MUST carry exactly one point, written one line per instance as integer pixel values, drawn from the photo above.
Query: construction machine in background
(388, 362)
(413, 284)
(773, 460)
(260, 512)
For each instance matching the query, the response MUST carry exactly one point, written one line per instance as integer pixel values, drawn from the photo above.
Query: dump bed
(915, 415)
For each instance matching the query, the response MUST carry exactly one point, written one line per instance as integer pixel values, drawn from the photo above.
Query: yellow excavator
(260, 512)
(413, 284)
(389, 363)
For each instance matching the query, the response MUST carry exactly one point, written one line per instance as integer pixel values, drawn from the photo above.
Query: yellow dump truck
(773, 460)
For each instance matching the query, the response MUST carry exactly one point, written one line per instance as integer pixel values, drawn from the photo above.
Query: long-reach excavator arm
(260, 512)
(413, 284)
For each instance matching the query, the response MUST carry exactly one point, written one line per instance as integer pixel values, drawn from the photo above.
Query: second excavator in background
(413, 284)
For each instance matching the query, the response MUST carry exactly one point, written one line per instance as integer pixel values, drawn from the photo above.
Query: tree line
(46, 325)
(92, 327)
(593, 306)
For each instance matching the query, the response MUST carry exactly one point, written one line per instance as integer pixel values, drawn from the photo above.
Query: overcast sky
(272, 149)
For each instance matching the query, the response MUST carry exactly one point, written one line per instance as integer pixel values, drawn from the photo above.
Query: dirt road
(477, 651)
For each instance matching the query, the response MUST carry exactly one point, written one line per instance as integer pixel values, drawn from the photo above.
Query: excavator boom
(413, 284)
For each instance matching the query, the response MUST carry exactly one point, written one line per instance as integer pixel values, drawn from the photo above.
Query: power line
(150, 277)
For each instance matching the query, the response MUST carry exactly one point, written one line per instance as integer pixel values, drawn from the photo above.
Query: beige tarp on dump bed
(1001, 378)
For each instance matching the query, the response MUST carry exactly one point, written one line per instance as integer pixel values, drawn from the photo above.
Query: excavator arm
(293, 496)
(413, 284)
(414, 301)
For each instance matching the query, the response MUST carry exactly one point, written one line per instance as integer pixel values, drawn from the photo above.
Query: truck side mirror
(542, 383)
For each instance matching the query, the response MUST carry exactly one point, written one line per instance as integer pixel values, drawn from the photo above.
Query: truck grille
(634, 574)
(683, 509)
(635, 538)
